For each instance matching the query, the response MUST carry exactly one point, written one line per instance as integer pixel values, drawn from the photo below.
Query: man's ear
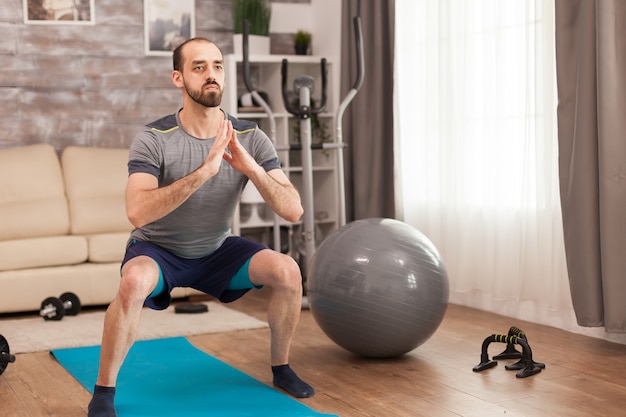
(177, 78)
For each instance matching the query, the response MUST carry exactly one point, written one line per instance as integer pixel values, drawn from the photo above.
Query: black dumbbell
(53, 308)
(5, 355)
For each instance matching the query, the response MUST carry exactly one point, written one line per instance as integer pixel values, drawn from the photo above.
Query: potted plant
(301, 42)
(258, 13)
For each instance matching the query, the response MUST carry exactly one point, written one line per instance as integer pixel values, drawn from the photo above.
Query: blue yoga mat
(171, 377)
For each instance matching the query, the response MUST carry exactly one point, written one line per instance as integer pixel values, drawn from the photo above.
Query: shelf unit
(265, 74)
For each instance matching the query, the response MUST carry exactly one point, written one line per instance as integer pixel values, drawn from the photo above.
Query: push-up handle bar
(527, 367)
(510, 352)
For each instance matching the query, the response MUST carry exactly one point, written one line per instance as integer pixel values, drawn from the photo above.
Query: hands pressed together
(227, 147)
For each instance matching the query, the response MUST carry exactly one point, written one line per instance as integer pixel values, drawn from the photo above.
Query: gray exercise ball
(377, 287)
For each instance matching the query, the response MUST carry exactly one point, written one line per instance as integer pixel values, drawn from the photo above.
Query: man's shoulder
(242, 125)
(164, 124)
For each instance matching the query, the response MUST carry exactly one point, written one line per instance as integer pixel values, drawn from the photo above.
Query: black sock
(286, 378)
(101, 404)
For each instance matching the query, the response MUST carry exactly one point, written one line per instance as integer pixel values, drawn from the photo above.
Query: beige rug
(34, 334)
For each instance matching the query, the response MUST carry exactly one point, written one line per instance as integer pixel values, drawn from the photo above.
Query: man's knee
(277, 270)
(139, 277)
(289, 274)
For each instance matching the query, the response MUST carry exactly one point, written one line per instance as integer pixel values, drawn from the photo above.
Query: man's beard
(206, 98)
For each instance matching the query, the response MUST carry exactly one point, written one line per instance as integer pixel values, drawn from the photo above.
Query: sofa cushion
(94, 284)
(32, 193)
(42, 251)
(95, 182)
(107, 247)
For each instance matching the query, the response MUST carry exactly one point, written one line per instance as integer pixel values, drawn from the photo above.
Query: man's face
(203, 73)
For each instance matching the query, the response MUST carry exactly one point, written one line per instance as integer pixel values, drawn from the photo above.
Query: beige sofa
(63, 225)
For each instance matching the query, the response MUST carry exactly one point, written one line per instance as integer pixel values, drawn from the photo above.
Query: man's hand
(239, 158)
(223, 139)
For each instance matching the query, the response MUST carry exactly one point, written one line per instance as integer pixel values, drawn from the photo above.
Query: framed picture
(59, 12)
(167, 24)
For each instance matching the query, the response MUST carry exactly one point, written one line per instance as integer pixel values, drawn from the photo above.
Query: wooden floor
(583, 376)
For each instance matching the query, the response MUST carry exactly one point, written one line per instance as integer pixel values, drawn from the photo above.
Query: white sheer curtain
(477, 151)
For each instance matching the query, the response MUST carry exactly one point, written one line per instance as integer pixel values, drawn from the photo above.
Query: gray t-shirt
(201, 224)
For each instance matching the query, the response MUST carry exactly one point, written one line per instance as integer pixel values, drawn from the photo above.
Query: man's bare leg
(121, 323)
(282, 275)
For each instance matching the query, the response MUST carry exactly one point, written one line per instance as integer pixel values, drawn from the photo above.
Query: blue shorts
(211, 274)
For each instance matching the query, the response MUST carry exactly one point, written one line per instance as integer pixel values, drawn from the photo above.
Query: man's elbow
(295, 214)
(135, 218)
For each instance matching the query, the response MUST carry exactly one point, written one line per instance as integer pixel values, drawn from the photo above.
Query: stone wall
(90, 85)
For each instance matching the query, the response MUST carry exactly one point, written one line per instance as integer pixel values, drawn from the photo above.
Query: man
(186, 172)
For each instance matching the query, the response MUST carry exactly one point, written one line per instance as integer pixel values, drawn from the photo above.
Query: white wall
(320, 17)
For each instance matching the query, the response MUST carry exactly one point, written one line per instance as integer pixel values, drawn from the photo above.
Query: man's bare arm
(279, 193)
(274, 186)
(146, 202)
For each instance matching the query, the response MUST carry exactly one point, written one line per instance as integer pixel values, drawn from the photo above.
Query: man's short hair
(177, 56)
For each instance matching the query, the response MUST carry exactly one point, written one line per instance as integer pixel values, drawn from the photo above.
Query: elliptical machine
(303, 86)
